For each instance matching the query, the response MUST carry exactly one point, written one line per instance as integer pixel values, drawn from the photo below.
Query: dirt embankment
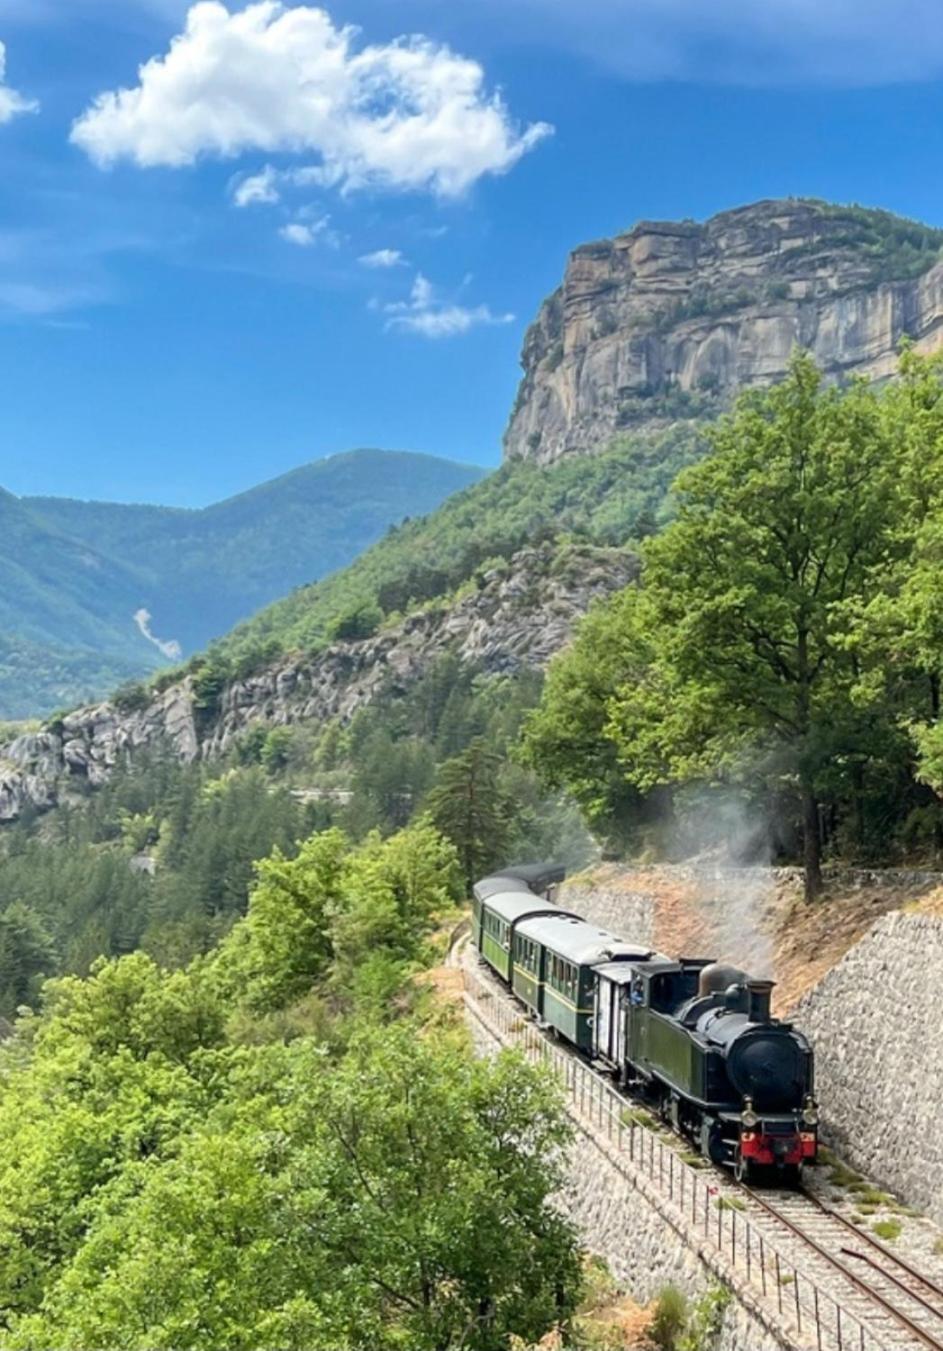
(754, 917)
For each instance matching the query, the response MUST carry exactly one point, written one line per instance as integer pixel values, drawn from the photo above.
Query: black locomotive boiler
(693, 1037)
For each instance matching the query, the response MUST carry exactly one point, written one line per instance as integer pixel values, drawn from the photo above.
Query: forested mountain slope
(501, 572)
(75, 574)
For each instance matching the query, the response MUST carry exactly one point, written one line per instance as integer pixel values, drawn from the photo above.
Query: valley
(97, 594)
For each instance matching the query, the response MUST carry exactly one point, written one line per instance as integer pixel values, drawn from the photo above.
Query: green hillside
(73, 574)
(609, 499)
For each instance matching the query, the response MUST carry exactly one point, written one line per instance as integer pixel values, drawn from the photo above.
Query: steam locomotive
(694, 1038)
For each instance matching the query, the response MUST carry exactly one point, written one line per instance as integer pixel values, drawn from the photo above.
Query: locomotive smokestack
(761, 994)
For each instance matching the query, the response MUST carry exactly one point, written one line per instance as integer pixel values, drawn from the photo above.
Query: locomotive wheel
(741, 1167)
(713, 1146)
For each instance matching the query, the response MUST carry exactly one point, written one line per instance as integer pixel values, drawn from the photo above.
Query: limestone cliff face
(672, 319)
(520, 617)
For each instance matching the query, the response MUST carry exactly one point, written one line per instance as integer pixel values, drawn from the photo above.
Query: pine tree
(470, 808)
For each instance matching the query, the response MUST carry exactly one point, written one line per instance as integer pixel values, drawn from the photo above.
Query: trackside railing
(804, 1307)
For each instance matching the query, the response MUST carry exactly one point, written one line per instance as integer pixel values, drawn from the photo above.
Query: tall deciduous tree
(749, 650)
(750, 595)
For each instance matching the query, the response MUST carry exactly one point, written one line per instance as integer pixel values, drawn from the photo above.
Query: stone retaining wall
(630, 914)
(876, 1021)
(642, 1244)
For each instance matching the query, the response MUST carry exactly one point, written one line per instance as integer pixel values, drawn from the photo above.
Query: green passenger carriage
(695, 1038)
(555, 962)
(499, 905)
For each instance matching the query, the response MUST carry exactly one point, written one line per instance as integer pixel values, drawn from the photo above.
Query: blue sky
(284, 240)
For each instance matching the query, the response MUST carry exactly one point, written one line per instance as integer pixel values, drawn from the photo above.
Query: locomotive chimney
(761, 994)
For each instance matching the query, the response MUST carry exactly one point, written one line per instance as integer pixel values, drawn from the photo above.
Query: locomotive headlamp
(810, 1113)
(748, 1117)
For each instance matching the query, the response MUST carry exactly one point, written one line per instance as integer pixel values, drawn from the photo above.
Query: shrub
(131, 697)
(360, 622)
(669, 1319)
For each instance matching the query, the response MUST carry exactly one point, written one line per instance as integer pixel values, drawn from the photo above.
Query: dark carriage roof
(538, 876)
(579, 942)
(532, 877)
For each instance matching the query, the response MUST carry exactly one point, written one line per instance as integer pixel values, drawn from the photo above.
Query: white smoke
(170, 649)
(732, 852)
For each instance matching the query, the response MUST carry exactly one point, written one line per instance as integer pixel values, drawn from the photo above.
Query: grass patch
(869, 1195)
(840, 1175)
(693, 1160)
(637, 1116)
(669, 1318)
(887, 1229)
(729, 1203)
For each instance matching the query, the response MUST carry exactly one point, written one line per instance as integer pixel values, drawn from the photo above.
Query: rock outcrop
(520, 616)
(672, 319)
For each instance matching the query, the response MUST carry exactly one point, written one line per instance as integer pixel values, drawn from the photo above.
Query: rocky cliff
(519, 616)
(672, 319)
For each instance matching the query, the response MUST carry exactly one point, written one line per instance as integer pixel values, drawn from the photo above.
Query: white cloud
(383, 258)
(259, 189)
(310, 228)
(405, 115)
(298, 233)
(424, 313)
(11, 103)
(745, 42)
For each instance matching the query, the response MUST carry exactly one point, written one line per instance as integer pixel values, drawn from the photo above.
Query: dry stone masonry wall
(621, 1219)
(877, 1024)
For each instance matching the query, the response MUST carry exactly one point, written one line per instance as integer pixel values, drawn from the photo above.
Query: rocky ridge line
(518, 618)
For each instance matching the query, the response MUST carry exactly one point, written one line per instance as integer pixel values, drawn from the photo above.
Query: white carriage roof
(514, 905)
(579, 942)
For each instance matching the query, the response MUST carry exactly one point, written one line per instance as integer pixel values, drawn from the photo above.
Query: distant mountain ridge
(73, 575)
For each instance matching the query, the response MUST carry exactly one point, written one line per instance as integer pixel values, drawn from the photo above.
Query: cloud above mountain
(406, 115)
(427, 314)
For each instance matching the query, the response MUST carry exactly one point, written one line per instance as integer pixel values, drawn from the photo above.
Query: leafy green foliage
(162, 857)
(896, 248)
(669, 1319)
(361, 622)
(609, 499)
(175, 1171)
(784, 639)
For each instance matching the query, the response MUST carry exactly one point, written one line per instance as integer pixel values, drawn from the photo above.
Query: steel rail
(905, 1321)
(863, 1236)
(855, 1281)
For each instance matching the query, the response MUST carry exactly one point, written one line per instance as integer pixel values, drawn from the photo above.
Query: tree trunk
(811, 845)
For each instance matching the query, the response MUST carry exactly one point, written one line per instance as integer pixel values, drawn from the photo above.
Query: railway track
(876, 1288)
(885, 1290)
